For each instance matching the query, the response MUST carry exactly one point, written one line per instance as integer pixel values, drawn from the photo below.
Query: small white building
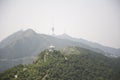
(51, 48)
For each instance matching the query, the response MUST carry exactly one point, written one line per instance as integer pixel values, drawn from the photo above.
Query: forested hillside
(70, 63)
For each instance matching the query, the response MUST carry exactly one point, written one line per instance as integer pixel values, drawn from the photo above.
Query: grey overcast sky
(93, 20)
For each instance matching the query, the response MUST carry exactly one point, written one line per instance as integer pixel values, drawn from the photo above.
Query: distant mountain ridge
(111, 51)
(22, 46)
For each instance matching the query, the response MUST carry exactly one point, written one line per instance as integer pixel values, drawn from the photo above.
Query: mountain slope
(22, 46)
(109, 51)
(70, 63)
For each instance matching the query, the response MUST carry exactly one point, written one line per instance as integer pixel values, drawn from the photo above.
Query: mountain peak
(29, 32)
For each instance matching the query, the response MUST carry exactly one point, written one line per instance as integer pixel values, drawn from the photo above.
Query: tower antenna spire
(53, 30)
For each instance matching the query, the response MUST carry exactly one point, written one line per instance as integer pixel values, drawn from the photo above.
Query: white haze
(93, 20)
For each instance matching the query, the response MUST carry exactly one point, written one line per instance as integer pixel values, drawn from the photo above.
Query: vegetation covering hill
(70, 63)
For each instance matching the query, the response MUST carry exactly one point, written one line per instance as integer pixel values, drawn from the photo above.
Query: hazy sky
(93, 20)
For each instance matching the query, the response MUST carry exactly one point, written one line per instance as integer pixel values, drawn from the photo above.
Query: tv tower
(53, 31)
